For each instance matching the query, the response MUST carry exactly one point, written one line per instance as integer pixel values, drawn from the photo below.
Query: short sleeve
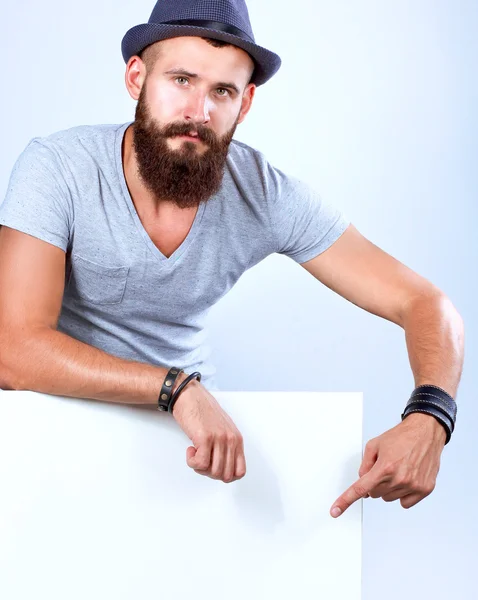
(38, 201)
(303, 225)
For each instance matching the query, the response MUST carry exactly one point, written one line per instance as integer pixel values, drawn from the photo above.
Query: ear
(135, 76)
(247, 101)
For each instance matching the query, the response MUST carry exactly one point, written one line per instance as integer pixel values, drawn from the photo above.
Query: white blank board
(97, 502)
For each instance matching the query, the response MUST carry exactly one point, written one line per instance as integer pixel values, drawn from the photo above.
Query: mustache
(203, 133)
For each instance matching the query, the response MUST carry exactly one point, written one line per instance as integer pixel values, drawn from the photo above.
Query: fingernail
(336, 511)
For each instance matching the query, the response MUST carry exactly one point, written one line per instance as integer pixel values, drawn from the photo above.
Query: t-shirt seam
(275, 239)
(320, 243)
(19, 226)
(71, 205)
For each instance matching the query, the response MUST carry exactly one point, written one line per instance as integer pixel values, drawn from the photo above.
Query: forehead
(209, 62)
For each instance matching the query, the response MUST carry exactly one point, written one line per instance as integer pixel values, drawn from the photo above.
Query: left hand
(401, 463)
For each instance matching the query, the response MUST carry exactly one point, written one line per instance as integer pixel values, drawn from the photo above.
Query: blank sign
(97, 502)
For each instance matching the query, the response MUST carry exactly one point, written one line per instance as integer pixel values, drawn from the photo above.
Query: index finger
(356, 491)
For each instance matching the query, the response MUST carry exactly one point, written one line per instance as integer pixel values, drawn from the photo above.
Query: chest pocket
(96, 283)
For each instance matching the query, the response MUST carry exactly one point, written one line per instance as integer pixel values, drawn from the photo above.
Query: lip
(190, 138)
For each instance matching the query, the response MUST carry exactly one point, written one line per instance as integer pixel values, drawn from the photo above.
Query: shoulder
(241, 153)
(252, 168)
(75, 142)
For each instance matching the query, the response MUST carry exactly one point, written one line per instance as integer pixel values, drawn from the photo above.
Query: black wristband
(174, 397)
(433, 400)
(439, 393)
(167, 388)
(426, 400)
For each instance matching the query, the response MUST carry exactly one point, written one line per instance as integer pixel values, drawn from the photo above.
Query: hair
(150, 54)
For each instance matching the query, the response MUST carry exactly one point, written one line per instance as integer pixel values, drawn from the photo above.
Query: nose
(197, 108)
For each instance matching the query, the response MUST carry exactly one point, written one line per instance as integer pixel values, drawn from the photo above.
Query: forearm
(434, 335)
(51, 362)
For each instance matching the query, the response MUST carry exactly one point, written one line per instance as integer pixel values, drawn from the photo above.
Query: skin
(402, 463)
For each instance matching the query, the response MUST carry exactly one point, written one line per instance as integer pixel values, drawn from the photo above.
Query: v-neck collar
(164, 261)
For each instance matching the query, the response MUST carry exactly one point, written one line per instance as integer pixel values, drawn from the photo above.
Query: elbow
(450, 310)
(6, 380)
(438, 301)
(9, 377)
(439, 310)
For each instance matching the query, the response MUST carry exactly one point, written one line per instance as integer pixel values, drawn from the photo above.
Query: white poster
(97, 502)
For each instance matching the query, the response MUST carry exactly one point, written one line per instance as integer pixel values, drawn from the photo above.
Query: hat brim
(137, 38)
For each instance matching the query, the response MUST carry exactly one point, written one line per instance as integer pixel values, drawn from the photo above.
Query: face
(194, 89)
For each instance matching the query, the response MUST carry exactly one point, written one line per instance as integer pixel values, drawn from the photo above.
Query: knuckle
(359, 490)
(231, 438)
(388, 468)
(370, 444)
(402, 480)
(427, 489)
(222, 437)
(205, 437)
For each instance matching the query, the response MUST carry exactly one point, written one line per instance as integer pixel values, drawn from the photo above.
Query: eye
(223, 89)
(185, 78)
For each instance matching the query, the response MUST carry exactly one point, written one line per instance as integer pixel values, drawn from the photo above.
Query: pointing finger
(356, 491)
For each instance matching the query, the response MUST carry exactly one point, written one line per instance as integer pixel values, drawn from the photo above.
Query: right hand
(218, 450)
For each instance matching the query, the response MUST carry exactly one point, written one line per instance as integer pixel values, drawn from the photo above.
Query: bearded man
(117, 239)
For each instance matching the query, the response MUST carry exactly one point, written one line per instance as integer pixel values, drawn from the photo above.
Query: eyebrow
(221, 84)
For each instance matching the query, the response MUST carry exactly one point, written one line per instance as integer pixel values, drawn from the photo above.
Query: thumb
(196, 458)
(369, 458)
(190, 455)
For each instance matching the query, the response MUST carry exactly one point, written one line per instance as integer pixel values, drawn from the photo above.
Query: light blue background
(375, 106)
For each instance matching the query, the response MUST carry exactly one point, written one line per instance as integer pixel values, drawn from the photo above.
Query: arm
(34, 356)
(373, 280)
(402, 463)
(434, 333)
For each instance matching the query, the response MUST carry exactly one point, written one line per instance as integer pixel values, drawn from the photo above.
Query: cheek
(167, 103)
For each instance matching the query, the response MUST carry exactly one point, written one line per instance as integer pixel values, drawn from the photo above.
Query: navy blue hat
(226, 20)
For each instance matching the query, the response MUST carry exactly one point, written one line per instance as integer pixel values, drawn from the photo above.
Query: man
(117, 239)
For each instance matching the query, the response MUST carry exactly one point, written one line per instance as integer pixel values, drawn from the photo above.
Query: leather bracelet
(167, 388)
(196, 375)
(427, 400)
(432, 400)
(433, 390)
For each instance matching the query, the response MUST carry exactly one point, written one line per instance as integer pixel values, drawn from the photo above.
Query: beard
(183, 176)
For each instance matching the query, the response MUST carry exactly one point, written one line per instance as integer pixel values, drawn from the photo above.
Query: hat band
(212, 25)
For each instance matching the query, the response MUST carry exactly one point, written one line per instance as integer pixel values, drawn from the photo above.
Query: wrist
(191, 387)
(429, 421)
(179, 379)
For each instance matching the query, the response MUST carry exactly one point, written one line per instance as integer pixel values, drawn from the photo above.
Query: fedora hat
(226, 20)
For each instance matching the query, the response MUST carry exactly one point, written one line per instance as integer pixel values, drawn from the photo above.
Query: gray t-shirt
(122, 294)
